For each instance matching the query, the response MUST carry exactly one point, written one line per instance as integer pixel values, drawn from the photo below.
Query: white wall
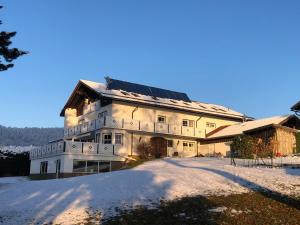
(210, 149)
(35, 164)
(67, 162)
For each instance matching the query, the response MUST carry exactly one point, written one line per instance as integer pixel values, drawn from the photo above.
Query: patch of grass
(259, 208)
(137, 162)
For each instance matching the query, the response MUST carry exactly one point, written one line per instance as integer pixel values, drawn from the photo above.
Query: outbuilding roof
(240, 128)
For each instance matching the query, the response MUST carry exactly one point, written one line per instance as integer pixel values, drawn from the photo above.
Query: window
(170, 143)
(210, 125)
(191, 146)
(106, 138)
(104, 166)
(92, 166)
(118, 139)
(191, 123)
(185, 123)
(58, 164)
(79, 166)
(102, 114)
(188, 123)
(135, 95)
(43, 167)
(161, 119)
(124, 93)
(185, 146)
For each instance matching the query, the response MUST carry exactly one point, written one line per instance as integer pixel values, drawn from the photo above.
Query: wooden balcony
(133, 125)
(73, 147)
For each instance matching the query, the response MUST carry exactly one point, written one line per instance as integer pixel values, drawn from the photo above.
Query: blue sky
(245, 55)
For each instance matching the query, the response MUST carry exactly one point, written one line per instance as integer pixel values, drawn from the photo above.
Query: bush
(242, 147)
(144, 150)
(264, 149)
(246, 147)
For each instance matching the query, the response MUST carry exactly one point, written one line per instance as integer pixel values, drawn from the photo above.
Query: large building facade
(105, 123)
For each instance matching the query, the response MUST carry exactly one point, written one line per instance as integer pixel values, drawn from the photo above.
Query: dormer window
(124, 92)
(135, 95)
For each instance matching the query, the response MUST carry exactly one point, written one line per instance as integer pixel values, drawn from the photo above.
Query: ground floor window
(188, 146)
(191, 146)
(79, 166)
(104, 166)
(118, 139)
(170, 143)
(58, 165)
(106, 138)
(44, 167)
(90, 166)
(185, 146)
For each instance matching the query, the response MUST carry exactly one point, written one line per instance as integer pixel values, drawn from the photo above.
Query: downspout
(198, 142)
(133, 111)
(199, 118)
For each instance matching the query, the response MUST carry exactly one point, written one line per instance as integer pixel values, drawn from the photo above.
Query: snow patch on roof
(238, 129)
(94, 85)
(193, 106)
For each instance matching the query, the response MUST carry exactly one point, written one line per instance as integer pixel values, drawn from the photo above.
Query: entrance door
(159, 146)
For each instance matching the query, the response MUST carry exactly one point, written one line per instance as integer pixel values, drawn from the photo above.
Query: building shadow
(293, 171)
(285, 199)
(41, 202)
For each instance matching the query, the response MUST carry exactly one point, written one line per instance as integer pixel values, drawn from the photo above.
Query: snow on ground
(67, 201)
(12, 180)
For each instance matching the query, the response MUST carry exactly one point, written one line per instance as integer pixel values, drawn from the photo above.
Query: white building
(105, 123)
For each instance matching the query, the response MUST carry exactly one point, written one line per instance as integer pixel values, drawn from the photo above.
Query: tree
(242, 147)
(8, 55)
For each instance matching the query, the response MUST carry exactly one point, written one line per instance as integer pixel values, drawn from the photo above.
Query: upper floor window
(102, 114)
(118, 139)
(188, 123)
(210, 125)
(161, 119)
(106, 138)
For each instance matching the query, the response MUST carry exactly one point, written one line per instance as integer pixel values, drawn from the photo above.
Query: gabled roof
(145, 90)
(296, 107)
(238, 129)
(129, 96)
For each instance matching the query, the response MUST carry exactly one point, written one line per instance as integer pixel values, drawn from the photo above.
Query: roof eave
(62, 112)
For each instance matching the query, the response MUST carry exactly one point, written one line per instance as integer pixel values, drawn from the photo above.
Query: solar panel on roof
(146, 90)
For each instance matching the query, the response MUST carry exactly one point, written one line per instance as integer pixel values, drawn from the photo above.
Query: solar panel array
(146, 90)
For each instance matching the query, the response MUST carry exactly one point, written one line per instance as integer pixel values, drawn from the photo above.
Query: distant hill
(28, 136)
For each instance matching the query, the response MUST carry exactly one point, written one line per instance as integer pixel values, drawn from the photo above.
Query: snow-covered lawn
(67, 201)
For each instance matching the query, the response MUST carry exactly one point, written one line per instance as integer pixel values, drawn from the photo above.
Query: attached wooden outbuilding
(281, 129)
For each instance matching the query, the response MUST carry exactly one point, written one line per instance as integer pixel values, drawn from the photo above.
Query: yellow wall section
(148, 113)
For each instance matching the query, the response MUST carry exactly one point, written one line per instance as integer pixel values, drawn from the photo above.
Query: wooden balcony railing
(134, 125)
(73, 147)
